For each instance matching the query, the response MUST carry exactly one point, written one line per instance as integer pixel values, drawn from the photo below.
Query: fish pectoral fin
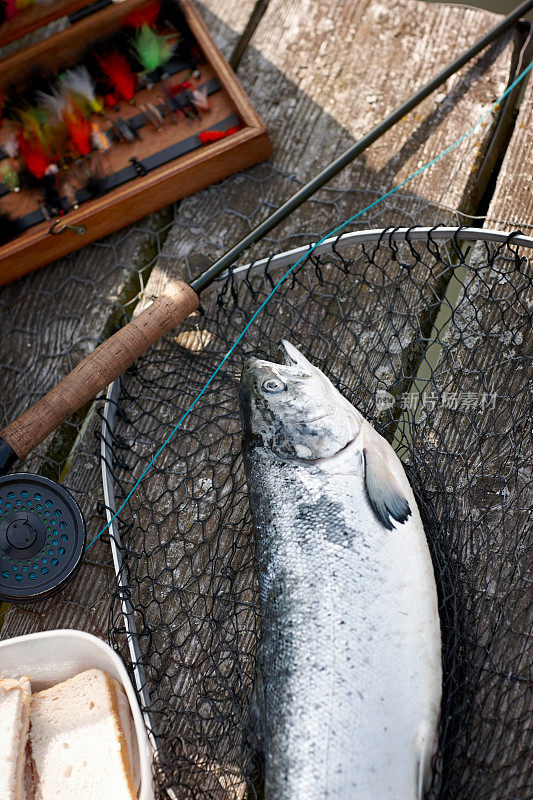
(384, 492)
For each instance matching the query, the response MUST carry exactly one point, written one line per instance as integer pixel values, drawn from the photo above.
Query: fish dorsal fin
(386, 497)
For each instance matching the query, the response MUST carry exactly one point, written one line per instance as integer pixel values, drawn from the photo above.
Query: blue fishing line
(291, 269)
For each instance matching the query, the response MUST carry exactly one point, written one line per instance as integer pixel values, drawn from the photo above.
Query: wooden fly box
(79, 163)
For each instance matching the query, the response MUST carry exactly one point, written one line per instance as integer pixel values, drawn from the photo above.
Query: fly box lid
(20, 17)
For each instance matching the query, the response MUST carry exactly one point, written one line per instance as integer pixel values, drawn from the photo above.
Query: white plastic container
(54, 656)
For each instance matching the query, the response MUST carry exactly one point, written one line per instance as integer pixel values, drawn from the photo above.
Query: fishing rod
(34, 501)
(355, 150)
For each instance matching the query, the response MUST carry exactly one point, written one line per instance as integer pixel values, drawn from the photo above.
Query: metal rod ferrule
(7, 457)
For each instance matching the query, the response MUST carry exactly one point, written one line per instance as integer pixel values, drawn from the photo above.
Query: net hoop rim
(375, 235)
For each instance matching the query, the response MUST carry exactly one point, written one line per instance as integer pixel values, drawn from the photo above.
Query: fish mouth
(298, 365)
(293, 358)
(290, 357)
(289, 353)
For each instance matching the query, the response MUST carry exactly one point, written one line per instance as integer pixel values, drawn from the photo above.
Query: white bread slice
(14, 719)
(78, 744)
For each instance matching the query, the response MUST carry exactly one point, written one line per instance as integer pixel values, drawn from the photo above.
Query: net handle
(106, 363)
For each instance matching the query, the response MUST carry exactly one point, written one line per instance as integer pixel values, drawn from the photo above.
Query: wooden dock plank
(347, 61)
(512, 201)
(226, 21)
(322, 75)
(485, 351)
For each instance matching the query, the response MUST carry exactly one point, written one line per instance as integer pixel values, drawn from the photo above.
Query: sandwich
(14, 721)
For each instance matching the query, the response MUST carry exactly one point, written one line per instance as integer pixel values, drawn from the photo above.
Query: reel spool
(42, 537)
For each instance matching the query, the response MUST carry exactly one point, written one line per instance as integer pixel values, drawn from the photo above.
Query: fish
(350, 676)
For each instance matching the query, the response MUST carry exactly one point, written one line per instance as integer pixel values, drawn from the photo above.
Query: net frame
(275, 262)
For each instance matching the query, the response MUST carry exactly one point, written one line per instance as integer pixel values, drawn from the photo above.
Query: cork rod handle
(99, 368)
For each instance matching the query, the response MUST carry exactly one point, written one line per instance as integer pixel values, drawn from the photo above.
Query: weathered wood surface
(489, 349)
(511, 205)
(482, 491)
(321, 76)
(339, 68)
(54, 317)
(28, 39)
(226, 21)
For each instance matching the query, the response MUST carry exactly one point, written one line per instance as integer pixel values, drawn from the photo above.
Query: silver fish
(350, 659)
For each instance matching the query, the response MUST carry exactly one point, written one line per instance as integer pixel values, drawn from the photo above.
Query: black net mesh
(431, 341)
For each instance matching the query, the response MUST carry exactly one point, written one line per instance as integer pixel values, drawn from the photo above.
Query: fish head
(294, 410)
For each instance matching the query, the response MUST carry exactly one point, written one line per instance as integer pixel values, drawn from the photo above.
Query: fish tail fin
(424, 766)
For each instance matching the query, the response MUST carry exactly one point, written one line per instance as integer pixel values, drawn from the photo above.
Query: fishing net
(431, 340)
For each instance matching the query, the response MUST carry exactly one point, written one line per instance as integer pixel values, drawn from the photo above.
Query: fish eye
(273, 385)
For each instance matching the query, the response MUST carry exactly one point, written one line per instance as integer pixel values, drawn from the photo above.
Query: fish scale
(350, 649)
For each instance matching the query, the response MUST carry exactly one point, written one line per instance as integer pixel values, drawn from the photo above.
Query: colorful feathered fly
(65, 112)
(53, 104)
(98, 137)
(199, 98)
(143, 16)
(214, 136)
(119, 75)
(10, 177)
(35, 140)
(178, 87)
(79, 130)
(11, 9)
(10, 145)
(33, 121)
(35, 157)
(79, 83)
(152, 49)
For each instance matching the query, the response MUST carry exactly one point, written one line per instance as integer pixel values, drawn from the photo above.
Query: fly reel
(42, 537)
